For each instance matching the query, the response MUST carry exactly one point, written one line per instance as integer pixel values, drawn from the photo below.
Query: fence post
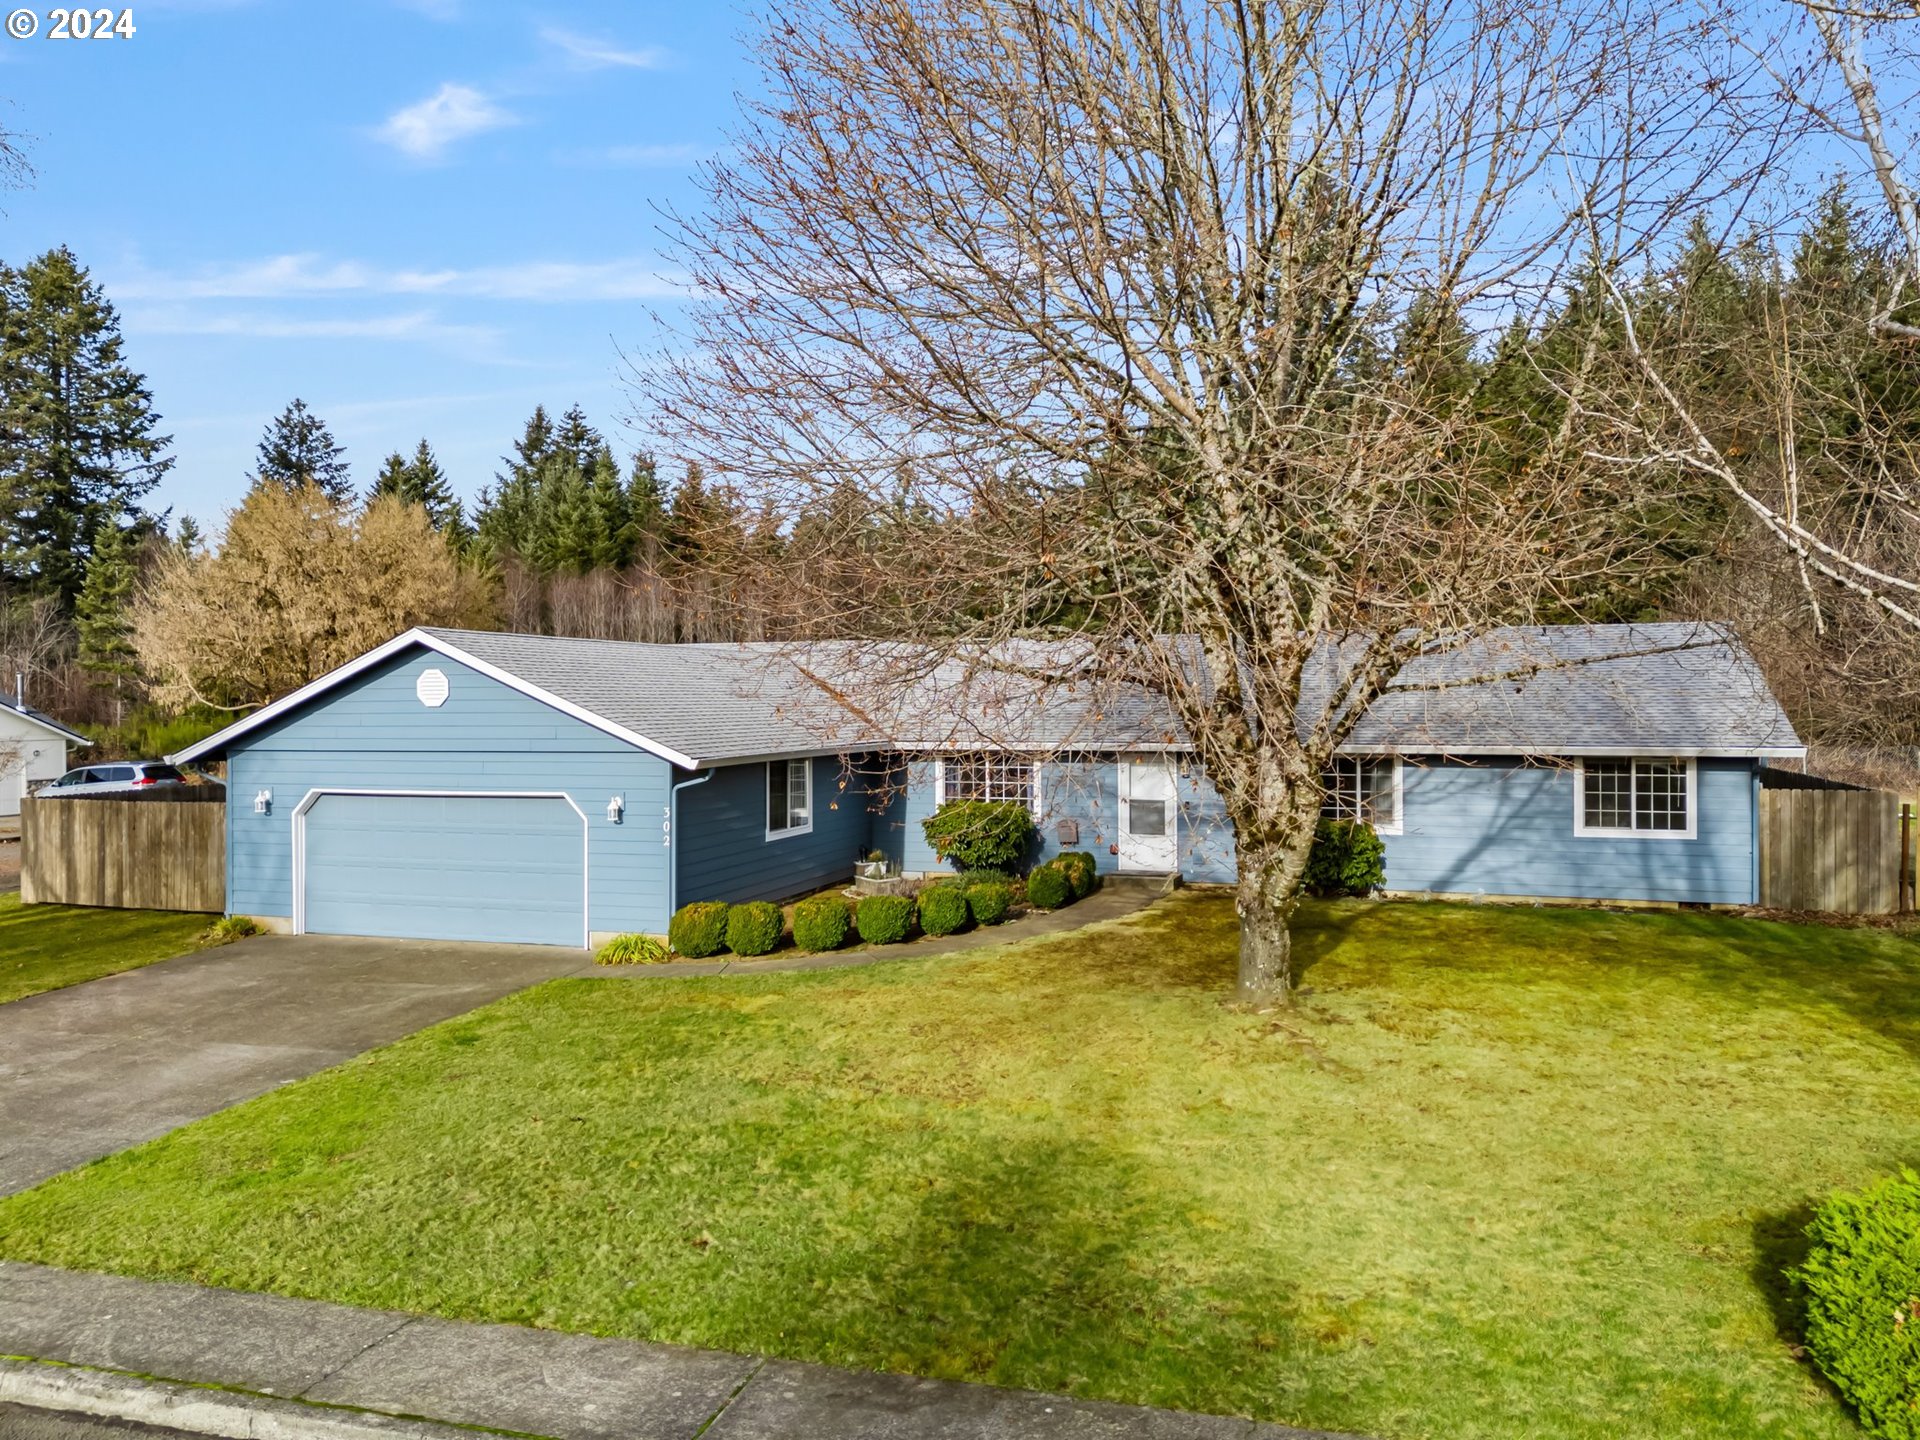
(1905, 901)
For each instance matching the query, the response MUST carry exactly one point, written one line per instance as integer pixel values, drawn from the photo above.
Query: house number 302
(90, 25)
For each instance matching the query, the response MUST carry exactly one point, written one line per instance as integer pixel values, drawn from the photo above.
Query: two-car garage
(441, 865)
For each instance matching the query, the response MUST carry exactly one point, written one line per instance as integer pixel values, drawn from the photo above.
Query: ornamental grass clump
(633, 950)
(820, 923)
(943, 909)
(1861, 1283)
(699, 930)
(884, 919)
(1048, 887)
(990, 901)
(754, 928)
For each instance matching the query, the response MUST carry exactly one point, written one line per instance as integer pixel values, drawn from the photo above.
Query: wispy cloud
(586, 52)
(306, 276)
(637, 157)
(420, 326)
(452, 113)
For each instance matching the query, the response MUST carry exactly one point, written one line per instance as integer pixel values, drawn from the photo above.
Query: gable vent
(432, 688)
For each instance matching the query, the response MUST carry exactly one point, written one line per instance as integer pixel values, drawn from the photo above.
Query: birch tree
(1128, 314)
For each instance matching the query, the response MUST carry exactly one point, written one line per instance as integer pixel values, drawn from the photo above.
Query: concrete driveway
(97, 1067)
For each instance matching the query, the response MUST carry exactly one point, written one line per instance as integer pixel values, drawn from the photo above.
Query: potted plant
(874, 867)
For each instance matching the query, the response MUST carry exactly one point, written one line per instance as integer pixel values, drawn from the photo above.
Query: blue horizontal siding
(373, 733)
(1494, 827)
(724, 850)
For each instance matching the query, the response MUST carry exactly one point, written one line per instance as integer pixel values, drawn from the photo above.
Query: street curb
(227, 1414)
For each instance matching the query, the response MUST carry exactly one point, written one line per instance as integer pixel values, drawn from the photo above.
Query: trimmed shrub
(1082, 873)
(699, 930)
(1347, 858)
(820, 923)
(1048, 887)
(980, 834)
(943, 909)
(989, 900)
(1861, 1283)
(754, 928)
(633, 950)
(884, 919)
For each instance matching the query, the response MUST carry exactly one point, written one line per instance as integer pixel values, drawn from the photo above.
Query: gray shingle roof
(1550, 690)
(27, 712)
(1679, 689)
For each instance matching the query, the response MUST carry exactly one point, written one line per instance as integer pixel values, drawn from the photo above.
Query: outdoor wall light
(616, 807)
(263, 803)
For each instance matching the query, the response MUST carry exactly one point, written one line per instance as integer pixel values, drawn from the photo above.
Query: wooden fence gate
(145, 854)
(1843, 851)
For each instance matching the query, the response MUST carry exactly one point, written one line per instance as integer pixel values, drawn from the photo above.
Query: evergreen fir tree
(392, 479)
(578, 440)
(646, 503)
(79, 447)
(563, 520)
(297, 447)
(505, 516)
(101, 611)
(189, 539)
(613, 535)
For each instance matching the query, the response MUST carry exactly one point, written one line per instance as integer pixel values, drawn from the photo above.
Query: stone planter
(883, 885)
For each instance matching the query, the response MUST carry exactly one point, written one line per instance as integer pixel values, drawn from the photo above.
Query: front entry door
(1149, 816)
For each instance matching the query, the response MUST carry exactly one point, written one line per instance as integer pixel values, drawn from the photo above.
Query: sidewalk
(371, 1372)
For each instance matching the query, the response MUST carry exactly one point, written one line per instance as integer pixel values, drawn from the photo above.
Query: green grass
(1502, 1173)
(43, 947)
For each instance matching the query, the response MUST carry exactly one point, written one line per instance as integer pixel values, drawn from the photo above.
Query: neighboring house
(33, 749)
(508, 787)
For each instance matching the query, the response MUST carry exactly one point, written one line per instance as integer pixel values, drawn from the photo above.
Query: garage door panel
(504, 868)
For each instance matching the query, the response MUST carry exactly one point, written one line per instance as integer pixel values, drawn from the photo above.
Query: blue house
(482, 786)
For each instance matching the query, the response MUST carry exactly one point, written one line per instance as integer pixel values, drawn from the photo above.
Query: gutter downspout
(673, 837)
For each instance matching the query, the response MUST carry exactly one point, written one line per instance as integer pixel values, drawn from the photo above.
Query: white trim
(1036, 800)
(52, 727)
(766, 794)
(1597, 832)
(307, 803)
(382, 653)
(1123, 793)
(1399, 825)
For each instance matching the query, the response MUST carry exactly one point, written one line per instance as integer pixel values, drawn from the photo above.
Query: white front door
(1149, 816)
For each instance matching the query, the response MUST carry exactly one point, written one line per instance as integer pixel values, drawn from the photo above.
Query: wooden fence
(1844, 851)
(144, 854)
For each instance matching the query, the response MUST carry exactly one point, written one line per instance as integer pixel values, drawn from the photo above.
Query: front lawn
(1504, 1173)
(43, 947)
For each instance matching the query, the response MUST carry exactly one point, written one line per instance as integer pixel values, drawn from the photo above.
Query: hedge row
(708, 927)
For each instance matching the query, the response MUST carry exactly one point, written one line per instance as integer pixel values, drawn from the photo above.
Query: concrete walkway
(94, 1068)
(504, 1377)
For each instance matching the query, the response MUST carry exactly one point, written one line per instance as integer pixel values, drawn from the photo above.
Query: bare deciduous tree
(1132, 316)
(299, 584)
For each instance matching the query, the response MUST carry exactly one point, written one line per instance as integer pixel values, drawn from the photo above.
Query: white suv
(113, 777)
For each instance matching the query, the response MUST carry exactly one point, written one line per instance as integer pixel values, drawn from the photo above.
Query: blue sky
(421, 216)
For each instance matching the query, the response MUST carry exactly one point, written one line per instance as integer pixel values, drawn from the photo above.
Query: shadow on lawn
(1043, 1261)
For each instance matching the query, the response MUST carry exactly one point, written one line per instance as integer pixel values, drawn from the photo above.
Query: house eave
(268, 714)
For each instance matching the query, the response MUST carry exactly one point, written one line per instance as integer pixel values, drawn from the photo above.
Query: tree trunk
(1268, 890)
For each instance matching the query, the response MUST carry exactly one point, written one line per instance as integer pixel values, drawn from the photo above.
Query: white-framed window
(1363, 787)
(1648, 797)
(789, 798)
(988, 775)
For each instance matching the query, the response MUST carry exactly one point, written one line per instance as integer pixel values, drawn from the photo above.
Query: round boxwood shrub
(980, 834)
(1048, 887)
(1348, 858)
(1861, 1283)
(989, 900)
(884, 919)
(754, 928)
(820, 923)
(943, 909)
(1082, 873)
(700, 929)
